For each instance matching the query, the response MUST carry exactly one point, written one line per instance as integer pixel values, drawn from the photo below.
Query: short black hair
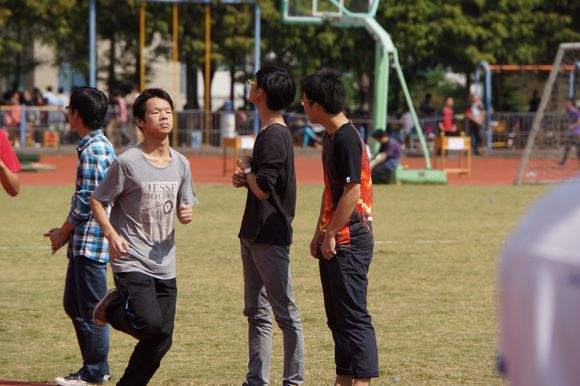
(278, 85)
(141, 101)
(380, 133)
(325, 88)
(91, 105)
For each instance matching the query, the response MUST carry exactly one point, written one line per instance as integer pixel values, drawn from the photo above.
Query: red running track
(208, 169)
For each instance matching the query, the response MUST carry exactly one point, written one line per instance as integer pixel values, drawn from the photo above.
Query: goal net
(552, 152)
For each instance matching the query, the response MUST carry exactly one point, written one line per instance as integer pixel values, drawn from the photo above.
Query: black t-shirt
(270, 221)
(345, 160)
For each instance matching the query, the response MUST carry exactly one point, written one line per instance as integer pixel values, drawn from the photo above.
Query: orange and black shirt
(345, 160)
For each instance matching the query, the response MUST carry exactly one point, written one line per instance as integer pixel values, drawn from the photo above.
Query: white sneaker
(100, 311)
(72, 380)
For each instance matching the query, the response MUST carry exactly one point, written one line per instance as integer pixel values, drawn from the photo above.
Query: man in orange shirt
(343, 240)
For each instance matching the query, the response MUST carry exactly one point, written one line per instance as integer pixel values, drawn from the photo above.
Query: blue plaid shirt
(96, 154)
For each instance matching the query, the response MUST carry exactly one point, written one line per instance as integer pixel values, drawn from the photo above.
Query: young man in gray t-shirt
(148, 186)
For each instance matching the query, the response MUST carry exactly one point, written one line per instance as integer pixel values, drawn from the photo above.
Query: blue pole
(571, 84)
(22, 126)
(257, 38)
(92, 45)
(571, 80)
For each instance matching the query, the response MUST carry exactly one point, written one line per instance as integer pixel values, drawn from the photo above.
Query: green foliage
(23, 20)
(431, 35)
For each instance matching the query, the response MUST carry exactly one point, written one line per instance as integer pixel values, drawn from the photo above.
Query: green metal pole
(381, 87)
(409, 101)
(384, 40)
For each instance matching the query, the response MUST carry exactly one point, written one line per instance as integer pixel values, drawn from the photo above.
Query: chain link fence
(34, 126)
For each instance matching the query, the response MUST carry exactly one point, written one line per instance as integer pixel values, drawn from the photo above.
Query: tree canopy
(431, 35)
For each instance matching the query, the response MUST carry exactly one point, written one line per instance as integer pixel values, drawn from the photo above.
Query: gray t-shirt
(145, 199)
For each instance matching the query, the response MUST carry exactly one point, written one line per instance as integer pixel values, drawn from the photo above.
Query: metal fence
(33, 126)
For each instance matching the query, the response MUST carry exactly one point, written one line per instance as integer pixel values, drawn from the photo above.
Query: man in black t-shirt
(266, 232)
(343, 240)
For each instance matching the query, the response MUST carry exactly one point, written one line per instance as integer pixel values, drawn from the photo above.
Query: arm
(269, 157)
(118, 246)
(574, 125)
(250, 179)
(91, 175)
(185, 214)
(378, 158)
(253, 186)
(10, 181)
(59, 237)
(80, 210)
(346, 205)
(316, 237)
(481, 118)
(186, 197)
(239, 179)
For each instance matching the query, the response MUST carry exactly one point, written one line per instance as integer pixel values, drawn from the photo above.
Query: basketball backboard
(317, 11)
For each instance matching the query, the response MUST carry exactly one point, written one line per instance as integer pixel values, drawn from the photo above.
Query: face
(310, 108)
(71, 116)
(158, 119)
(255, 92)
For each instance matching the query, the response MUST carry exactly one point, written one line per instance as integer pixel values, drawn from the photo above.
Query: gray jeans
(268, 286)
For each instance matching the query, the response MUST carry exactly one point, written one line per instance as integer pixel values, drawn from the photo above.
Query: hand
(56, 239)
(239, 179)
(244, 162)
(118, 246)
(314, 245)
(328, 247)
(185, 214)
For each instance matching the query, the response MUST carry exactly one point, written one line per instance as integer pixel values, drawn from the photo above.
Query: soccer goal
(550, 134)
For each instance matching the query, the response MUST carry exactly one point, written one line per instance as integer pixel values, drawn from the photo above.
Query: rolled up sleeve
(90, 173)
(272, 159)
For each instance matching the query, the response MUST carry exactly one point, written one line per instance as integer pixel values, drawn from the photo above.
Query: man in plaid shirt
(88, 251)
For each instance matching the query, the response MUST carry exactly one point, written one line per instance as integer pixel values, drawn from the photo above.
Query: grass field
(431, 293)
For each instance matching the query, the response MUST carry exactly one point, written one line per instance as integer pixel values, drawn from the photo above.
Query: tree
(21, 21)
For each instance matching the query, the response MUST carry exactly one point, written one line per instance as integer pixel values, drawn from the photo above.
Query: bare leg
(362, 382)
(343, 380)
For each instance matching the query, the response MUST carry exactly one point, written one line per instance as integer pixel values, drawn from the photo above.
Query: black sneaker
(100, 311)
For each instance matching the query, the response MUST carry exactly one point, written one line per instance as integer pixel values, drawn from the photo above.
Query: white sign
(247, 142)
(456, 143)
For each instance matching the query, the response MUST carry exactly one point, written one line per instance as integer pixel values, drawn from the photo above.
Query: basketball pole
(385, 51)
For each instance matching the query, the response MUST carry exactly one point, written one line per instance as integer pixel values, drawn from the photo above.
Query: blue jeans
(86, 284)
(307, 135)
